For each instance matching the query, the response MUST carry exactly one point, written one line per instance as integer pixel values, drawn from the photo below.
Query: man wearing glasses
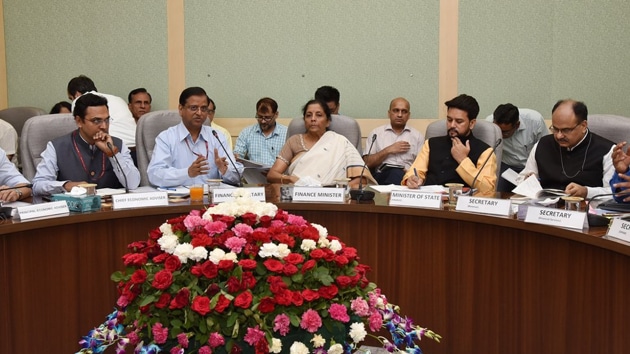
(262, 142)
(572, 158)
(87, 154)
(521, 129)
(190, 152)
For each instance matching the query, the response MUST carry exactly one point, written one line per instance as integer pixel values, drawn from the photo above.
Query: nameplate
(139, 200)
(415, 199)
(221, 195)
(45, 209)
(556, 217)
(492, 206)
(318, 194)
(619, 229)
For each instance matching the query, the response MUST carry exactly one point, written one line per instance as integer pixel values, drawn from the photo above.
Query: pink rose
(311, 321)
(281, 324)
(160, 333)
(339, 312)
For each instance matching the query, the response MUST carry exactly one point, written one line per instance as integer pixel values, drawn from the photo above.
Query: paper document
(531, 188)
(510, 175)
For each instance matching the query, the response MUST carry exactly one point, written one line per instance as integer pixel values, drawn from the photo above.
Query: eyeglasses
(203, 109)
(99, 121)
(267, 118)
(564, 131)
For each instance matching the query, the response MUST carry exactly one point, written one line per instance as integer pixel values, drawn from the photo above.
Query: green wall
(530, 53)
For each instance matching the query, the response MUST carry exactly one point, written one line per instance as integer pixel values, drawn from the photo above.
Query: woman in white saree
(318, 153)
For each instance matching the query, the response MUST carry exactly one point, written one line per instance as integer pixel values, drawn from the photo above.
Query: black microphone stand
(240, 177)
(361, 194)
(494, 148)
(111, 148)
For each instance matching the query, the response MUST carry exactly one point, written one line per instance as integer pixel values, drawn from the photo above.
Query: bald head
(398, 113)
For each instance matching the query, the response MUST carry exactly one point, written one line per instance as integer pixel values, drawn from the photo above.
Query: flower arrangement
(246, 277)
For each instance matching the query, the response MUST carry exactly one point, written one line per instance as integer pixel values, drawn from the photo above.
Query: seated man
(8, 140)
(212, 108)
(139, 102)
(13, 186)
(262, 142)
(331, 96)
(86, 155)
(396, 145)
(457, 157)
(521, 128)
(181, 154)
(572, 158)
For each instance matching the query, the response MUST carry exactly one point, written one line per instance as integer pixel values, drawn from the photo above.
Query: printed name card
(556, 217)
(492, 206)
(410, 198)
(138, 200)
(619, 229)
(45, 209)
(318, 194)
(220, 195)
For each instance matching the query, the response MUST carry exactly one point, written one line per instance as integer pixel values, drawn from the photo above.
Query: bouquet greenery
(245, 277)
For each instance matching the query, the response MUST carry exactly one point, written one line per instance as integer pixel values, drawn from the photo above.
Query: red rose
(328, 292)
(233, 285)
(286, 239)
(163, 301)
(262, 346)
(249, 218)
(262, 237)
(248, 281)
(209, 270)
(297, 299)
(289, 269)
(276, 284)
(243, 300)
(284, 297)
(226, 265)
(135, 259)
(294, 258)
(160, 257)
(273, 265)
(349, 252)
(343, 281)
(265, 221)
(266, 305)
(310, 295)
(318, 253)
(222, 304)
(310, 233)
(330, 255)
(248, 264)
(172, 263)
(341, 260)
(155, 234)
(308, 265)
(201, 305)
(200, 238)
(180, 300)
(139, 276)
(162, 280)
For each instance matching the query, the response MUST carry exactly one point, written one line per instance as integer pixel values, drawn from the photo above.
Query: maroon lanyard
(76, 148)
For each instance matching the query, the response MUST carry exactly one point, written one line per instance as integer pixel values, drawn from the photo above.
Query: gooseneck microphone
(111, 148)
(240, 178)
(494, 148)
(594, 219)
(361, 194)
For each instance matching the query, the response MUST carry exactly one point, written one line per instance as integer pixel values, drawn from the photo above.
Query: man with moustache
(458, 156)
(87, 154)
(396, 145)
(262, 142)
(572, 158)
(139, 102)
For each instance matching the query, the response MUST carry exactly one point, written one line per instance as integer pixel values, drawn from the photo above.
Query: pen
(415, 172)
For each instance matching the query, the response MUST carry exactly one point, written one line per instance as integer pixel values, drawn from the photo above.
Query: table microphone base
(361, 195)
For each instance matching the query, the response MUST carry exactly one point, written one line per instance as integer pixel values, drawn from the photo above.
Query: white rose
(216, 255)
(323, 242)
(231, 256)
(166, 229)
(335, 245)
(299, 348)
(168, 243)
(276, 345)
(335, 349)
(323, 232)
(198, 254)
(283, 250)
(268, 250)
(308, 245)
(357, 332)
(183, 251)
(318, 341)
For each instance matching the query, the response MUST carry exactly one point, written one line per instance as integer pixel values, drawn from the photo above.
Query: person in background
(212, 108)
(572, 158)
(86, 155)
(8, 140)
(189, 153)
(457, 157)
(521, 129)
(620, 181)
(139, 102)
(61, 107)
(331, 96)
(262, 142)
(13, 186)
(396, 145)
(122, 124)
(319, 153)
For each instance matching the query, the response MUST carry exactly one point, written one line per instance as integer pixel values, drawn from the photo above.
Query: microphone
(5, 212)
(240, 178)
(360, 194)
(111, 148)
(472, 186)
(594, 219)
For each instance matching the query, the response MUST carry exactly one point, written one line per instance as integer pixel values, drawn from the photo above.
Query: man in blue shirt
(262, 142)
(191, 152)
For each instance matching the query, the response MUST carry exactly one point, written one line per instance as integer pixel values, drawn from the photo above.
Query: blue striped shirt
(253, 145)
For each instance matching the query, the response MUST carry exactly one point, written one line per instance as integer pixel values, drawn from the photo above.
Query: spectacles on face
(564, 131)
(203, 109)
(264, 118)
(99, 121)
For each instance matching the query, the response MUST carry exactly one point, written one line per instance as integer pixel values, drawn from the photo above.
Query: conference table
(486, 284)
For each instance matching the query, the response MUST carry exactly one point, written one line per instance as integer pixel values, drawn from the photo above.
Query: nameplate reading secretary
(556, 217)
(492, 206)
(220, 195)
(619, 229)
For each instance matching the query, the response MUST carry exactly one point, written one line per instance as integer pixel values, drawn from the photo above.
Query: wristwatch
(19, 192)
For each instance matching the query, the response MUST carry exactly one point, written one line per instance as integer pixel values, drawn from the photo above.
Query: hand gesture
(100, 141)
(398, 147)
(414, 182)
(198, 167)
(620, 159)
(576, 190)
(459, 151)
(220, 162)
(623, 185)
